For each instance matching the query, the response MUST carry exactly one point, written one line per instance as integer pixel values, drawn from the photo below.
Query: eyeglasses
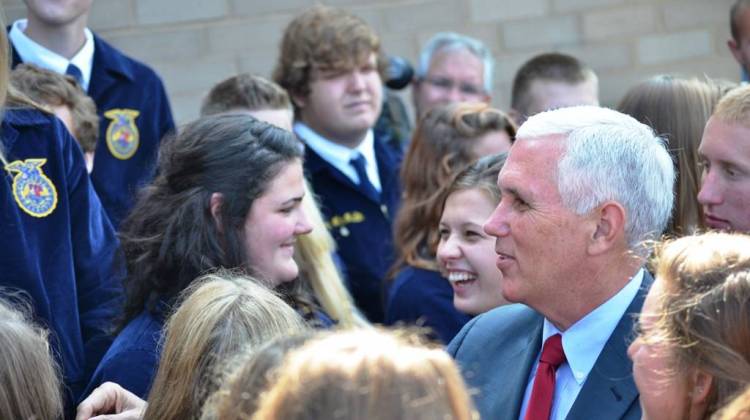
(446, 84)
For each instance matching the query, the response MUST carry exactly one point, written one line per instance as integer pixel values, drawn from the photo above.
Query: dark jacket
(497, 350)
(59, 245)
(361, 226)
(124, 90)
(133, 358)
(425, 298)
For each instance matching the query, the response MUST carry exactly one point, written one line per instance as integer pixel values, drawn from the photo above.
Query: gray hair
(610, 156)
(451, 41)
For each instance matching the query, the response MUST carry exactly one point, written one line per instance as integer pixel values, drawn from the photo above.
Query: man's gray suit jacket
(497, 350)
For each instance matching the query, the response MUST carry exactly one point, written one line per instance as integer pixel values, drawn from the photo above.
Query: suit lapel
(512, 374)
(609, 390)
(108, 68)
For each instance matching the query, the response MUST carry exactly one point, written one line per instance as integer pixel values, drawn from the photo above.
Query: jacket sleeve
(95, 248)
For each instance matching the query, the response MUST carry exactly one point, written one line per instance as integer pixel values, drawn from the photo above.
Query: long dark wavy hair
(170, 236)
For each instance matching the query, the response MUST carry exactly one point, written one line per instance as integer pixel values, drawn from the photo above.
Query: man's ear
(609, 229)
(299, 100)
(734, 48)
(215, 203)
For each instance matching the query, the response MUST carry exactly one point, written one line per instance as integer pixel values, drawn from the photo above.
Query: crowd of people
(291, 254)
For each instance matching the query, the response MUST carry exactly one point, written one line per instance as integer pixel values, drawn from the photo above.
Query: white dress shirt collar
(584, 340)
(339, 156)
(34, 53)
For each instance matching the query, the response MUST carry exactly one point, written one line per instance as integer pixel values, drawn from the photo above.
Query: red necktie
(543, 392)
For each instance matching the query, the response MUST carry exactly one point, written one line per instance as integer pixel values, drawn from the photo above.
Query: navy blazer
(497, 350)
(424, 297)
(361, 227)
(133, 358)
(59, 246)
(125, 91)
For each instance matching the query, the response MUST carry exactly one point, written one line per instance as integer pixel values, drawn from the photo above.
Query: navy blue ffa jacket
(425, 298)
(132, 359)
(134, 116)
(59, 245)
(361, 227)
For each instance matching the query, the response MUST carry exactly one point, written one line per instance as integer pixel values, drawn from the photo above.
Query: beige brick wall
(195, 43)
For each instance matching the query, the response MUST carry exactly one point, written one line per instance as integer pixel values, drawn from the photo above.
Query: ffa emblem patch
(122, 133)
(32, 190)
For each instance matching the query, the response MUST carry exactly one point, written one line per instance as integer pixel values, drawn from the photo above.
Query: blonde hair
(366, 374)
(30, 377)
(220, 316)
(238, 396)
(313, 255)
(737, 409)
(704, 316)
(734, 107)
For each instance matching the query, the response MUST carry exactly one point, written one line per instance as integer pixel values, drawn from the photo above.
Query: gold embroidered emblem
(34, 193)
(345, 219)
(122, 133)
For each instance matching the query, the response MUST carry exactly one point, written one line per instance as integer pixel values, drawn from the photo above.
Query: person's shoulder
(506, 321)
(416, 281)
(117, 60)
(509, 318)
(386, 148)
(410, 272)
(131, 367)
(27, 117)
(411, 291)
(142, 333)
(39, 130)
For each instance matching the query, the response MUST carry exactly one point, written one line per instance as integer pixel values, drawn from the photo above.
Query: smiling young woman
(227, 195)
(466, 253)
(446, 141)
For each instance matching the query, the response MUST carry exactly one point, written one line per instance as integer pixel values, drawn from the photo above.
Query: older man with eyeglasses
(452, 68)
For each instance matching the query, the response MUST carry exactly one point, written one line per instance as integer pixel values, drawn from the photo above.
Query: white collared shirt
(33, 53)
(582, 343)
(339, 156)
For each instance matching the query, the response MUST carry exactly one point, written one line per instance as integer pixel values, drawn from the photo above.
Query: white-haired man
(452, 68)
(582, 188)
